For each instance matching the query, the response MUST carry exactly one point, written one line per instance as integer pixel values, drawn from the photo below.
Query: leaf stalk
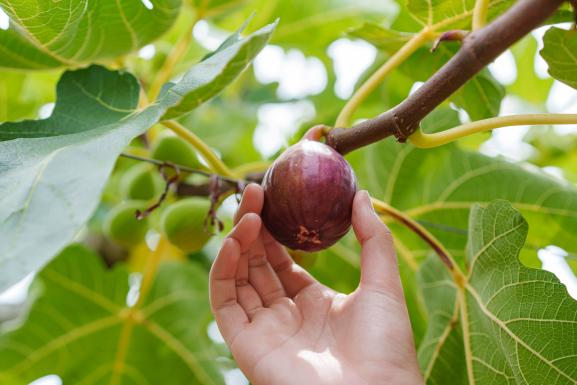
(205, 151)
(423, 140)
(480, 14)
(417, 41)
(386, 209)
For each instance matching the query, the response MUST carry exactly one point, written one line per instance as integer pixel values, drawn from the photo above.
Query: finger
(259, 272)
(229, 315)
(262, 276)
(378, 259)
(252, 201)
(246, 231)
(292, 277)
(248, 297)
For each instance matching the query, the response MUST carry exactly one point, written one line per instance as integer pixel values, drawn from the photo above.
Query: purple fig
(308, 196)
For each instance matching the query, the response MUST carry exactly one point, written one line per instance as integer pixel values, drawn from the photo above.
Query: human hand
(284, 328)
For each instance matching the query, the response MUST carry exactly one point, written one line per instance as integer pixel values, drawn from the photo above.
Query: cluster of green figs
(136, 185)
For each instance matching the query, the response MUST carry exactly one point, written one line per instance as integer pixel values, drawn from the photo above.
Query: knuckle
(257, 261)
(283, 266)
(241, 282)
(273, 295)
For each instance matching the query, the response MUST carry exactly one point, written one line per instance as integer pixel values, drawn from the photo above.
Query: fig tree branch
(478, 49)
(422, 140)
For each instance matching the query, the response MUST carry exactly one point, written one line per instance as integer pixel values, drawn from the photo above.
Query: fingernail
(367, 199)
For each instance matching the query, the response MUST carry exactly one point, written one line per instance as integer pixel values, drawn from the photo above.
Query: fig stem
(367, 88)
(316, 132)
(480, 14)
(205, 151)
(386, 209)
(423, 140)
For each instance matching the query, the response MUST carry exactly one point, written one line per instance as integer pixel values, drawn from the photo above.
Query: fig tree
(183, 223)
(121, 225)
(308, 196)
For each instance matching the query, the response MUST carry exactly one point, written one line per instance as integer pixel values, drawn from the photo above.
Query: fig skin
(308, 196)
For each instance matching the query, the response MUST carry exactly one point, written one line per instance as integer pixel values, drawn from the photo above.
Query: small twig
(214, 197)
(183, 169)
(170, 180)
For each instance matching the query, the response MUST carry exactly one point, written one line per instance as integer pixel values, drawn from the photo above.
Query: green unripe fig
(183, 224)
(141, 181)
(173, 149)
(121, 225)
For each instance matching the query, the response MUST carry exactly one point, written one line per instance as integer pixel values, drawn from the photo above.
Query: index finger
(252, 201)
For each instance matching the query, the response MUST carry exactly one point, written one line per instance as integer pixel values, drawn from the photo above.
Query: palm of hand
(283, 327)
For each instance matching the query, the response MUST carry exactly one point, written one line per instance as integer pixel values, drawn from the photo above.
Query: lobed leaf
(42, 35)
(451, 14)
(528, 84)
(441, 353)
(381, 37)
(53, 171)
(81, 328)
(518, 324)
(560, 53)
(212, 75)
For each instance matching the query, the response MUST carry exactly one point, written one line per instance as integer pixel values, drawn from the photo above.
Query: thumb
(379, 269)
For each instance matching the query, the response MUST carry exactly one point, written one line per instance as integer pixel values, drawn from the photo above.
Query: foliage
(508, 314)
(77, 303)
(63, 183)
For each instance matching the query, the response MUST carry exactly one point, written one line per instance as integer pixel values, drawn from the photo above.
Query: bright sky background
(301, 76)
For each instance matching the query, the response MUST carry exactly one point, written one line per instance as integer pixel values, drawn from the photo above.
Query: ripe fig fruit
(183, 222)
(308, 196)
(173, 149)
(141, 181)
(121, 225)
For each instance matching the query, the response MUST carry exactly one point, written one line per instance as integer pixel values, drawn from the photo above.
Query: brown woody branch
(479, 48)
